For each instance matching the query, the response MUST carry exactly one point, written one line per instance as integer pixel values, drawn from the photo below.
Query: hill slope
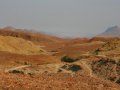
(32, 36)
(19, 46)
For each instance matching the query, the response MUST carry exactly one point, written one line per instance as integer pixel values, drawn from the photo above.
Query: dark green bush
(74, 68)
(71, 67)
(97, 51)
(67, 59)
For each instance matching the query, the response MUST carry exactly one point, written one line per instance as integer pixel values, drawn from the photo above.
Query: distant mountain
(111, 32)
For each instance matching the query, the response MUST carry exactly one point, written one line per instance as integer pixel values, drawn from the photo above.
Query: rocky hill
(111, 32)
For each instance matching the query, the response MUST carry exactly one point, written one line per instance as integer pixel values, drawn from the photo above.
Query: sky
(65, 18)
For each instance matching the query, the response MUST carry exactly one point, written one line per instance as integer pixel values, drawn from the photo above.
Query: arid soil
(60, 81)
(35, 61)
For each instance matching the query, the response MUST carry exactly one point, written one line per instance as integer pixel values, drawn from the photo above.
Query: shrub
(97, 51)
(106, 61)
(17, 71)
(25, 63)
(101, 62)
(118, 81)
(72, 67)
(67, 59)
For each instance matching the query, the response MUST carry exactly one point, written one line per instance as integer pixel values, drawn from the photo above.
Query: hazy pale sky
(61, 17)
